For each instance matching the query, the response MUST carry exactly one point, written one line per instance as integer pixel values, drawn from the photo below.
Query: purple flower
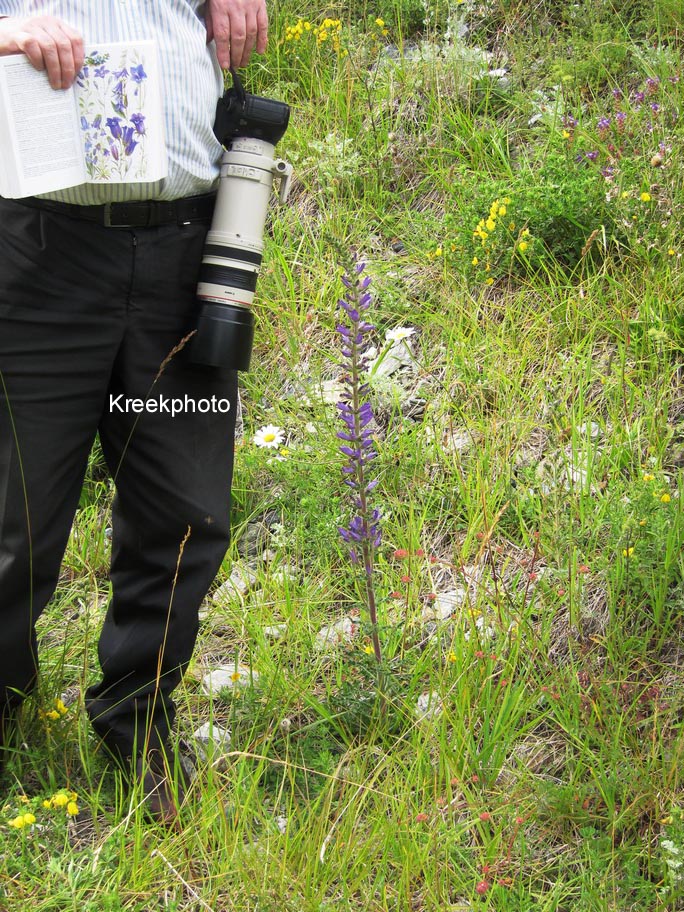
(593, 155)
(114, 124)
(84, 122)
(138, 74)
(138, 121)
(129, 142)
(357, 416)
(652, 85)
(101, 72)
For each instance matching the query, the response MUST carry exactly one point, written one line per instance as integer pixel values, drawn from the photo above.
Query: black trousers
(88, 315)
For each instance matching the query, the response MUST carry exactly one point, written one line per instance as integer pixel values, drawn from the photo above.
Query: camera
(248, 127)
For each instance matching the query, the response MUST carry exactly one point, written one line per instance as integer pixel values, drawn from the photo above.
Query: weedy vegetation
(483, 708)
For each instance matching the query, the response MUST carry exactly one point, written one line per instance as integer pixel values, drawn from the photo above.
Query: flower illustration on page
(111, 97)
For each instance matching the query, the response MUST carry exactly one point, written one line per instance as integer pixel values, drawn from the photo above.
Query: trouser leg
(171, 515)
(59, 330)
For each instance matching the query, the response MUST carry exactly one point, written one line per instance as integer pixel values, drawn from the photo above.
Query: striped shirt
(191, 84)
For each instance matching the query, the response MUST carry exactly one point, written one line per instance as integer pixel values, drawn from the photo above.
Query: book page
(120, 114)
(41, 146)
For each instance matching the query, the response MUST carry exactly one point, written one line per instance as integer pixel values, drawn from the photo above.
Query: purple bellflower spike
(363, 531)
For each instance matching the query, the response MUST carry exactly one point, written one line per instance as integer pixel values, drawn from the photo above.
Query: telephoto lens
(248, 127)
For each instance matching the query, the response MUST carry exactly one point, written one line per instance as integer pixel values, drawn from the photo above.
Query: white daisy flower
(269, 436)
(399, 334)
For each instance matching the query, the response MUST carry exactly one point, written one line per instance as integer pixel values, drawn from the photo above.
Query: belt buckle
(108, 223)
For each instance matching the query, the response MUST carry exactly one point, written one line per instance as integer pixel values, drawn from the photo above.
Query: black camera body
(248, 127)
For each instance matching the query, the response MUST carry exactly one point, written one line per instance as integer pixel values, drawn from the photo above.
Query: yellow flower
(52, 714)
(522, 246)
(670, 252)
(60, 707)
(502, 210)
(368, 649)
(475, 261)
(380, 23)
(22, 820)
(645, 197)
(452, 657)
(627, 552)
(235, 676)
(59, 800)
(489, 281)
(72, 809)
(490, 224)
(625, 194)
(649, 477)
(642, 522)
(566, 135)
(438, 252)
(665, 498)
(511, 227)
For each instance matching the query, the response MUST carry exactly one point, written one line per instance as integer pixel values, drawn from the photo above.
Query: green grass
(536, 469)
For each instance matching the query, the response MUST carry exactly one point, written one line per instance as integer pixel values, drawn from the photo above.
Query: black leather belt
(135, 214)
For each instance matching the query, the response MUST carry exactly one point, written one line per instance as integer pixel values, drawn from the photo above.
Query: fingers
(238, 28)
(49, 44)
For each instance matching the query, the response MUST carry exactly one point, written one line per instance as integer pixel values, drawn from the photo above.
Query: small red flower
(431, 596)
(583, 569)
(420, 553)
(433, 558)
(406, 578)
(401, 553)
(520, 820)
(561, 592)
(421, 818)
(485, 815)
(479, 654)
(533, 576)
(474, 778)
(482, 887)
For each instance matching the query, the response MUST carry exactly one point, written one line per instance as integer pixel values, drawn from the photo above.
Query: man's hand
(238, 27)
(49, 44)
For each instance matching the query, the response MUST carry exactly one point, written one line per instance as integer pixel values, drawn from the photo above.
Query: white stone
(445, 604)
(228, 677)
(390, 360)
(240, 580)
(335, 633)
(276, 631)
(429, 706)
(485, 631)
(211, 733)
(592, 429)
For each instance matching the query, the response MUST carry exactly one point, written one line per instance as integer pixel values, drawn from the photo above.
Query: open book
(108, 127)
